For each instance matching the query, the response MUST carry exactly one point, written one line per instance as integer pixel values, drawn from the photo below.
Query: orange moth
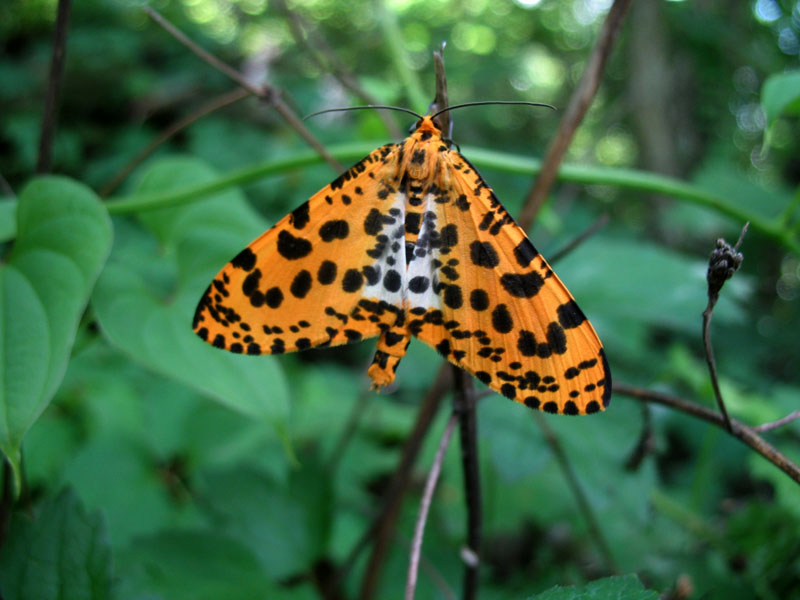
(411, 241)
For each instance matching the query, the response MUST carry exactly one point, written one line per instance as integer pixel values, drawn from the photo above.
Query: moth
(411, 241)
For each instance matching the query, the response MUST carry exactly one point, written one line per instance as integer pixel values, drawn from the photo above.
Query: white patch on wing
(421, 272)
(390, 266)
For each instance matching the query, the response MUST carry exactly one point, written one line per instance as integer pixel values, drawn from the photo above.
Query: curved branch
(739, 430)
(266, 92)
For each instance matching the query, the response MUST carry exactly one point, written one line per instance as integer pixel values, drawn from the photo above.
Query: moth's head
(426, 124)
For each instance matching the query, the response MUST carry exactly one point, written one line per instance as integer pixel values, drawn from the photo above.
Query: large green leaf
(146, 297)
(64, 554)
(624, 587)
(63, 239)
(197, 565)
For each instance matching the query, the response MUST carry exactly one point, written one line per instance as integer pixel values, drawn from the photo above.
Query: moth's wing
(309, 280)
(504, 314)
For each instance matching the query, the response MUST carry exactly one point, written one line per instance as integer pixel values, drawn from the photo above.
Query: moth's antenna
(485, 102)
(378, 106)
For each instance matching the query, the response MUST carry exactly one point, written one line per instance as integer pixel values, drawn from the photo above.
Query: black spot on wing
(327, 272)
(291, 247)
(483, 254)
(273, 297)
(244, 260)
(418, 284)
(479, 299)
(570, 315)
(392, 281)
(452, 296)
(333, 230)
(501, 319)
(525, 252)
(301, 284)
(352, 280)
(525, 285)
(299, 216)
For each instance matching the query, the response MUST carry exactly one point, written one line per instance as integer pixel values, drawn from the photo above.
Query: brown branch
(739, 430)
(267, 93)
(575, 486)
(578, 105)
(326, 60)
(50, 118)
(792, 416)
(350, 427)
(424, 507)
(441, 101)
(382, 528)
(464, 404)
(580, 239)
(176, 127)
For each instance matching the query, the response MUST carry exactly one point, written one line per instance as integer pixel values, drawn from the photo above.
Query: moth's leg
(392, 345)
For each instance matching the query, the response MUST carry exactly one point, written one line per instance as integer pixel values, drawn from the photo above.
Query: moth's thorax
(422, 152)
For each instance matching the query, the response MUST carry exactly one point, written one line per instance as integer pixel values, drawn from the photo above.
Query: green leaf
(147, 296)
(64, 554)
(781, 95)
(192, 565)
(63, 239)
(286, 526)
(623, 587)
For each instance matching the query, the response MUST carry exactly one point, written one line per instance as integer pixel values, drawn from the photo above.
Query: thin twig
(792, 416)
(578, 105)
(265, 92)
(50, 118)
(577, 491)
(712, 366)
(464, 405)
(350, 427)
(739, 430)
(723, 264)
(6, 188)
(382, 528)
(424, 507)
(211, 106)
(325, 58)
(645, 443)
(580, 238)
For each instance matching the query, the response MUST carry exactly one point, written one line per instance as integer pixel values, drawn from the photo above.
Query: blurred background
(187, 478)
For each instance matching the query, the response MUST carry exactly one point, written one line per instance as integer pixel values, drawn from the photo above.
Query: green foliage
(63, 554)
(212, 475)
(781, 95)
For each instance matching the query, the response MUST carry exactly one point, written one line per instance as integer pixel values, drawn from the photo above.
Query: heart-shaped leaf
(145, 299)
(63, 239)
